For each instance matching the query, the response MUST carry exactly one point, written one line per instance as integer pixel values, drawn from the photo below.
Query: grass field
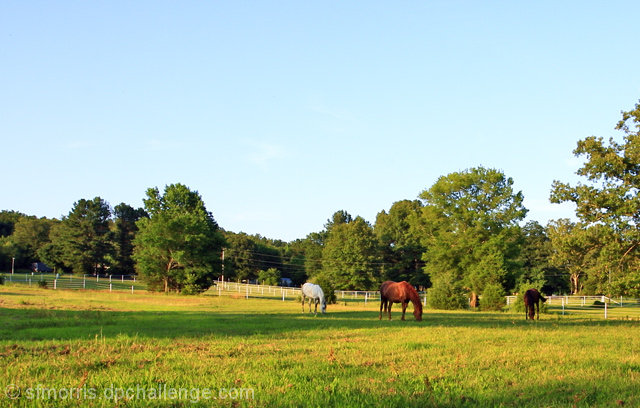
(92, 348)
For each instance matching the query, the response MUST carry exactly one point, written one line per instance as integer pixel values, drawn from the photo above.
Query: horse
(314, 292)
(399, 292)
(532, 298)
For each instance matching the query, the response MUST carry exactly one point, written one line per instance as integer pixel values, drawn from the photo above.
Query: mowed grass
(88, 348)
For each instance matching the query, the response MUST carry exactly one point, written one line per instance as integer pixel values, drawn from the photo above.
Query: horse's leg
(389, 304)
(538, 310)
(316, 301)
(381, 303)
(404, 308)
(303, 299)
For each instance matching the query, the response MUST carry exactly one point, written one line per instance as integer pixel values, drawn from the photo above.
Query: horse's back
(396, 291)
(532, 296)
(312, 290)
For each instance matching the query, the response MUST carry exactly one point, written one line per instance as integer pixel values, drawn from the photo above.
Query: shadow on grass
(48, 324)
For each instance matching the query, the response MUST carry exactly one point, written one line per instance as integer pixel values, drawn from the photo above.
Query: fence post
(132, 289)
(605, 310)
(110, 285)
(563, 306)
(55, 284)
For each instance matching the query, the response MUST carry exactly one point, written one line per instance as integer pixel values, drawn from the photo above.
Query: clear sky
(280, 113)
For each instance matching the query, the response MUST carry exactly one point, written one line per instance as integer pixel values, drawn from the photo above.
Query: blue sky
(281, 113)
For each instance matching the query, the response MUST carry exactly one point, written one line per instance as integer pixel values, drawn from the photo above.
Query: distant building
(286, 282)
(40, 267)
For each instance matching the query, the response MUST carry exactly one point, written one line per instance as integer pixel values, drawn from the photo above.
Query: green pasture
(68, 348)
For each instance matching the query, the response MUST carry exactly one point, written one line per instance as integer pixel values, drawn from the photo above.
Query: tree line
(462, 238)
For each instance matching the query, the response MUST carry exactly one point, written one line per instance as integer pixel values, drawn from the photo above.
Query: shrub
(446, 296)
(269, 277)
(518, 305)
(327, 287)
(493, 298)
(42, 284)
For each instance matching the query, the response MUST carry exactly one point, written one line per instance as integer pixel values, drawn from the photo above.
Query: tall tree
(125, 228)
(312, 246)
(472, 237)
(178, 247)
(351, 257)
(30, 235)
(575, 249)
(537, 268)
(83, 238)
(400, 246)
(240, 257)
(610, 197)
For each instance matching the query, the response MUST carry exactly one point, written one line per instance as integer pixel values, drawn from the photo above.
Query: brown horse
(399, 292)
(532, 299)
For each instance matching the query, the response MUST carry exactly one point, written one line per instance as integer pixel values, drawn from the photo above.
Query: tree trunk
(474, 300)
(575, 281)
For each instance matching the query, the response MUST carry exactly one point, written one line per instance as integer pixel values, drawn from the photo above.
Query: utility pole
(223, 268)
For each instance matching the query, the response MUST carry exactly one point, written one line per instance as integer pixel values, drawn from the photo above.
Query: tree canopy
(609, 200)
(472, 236)
(179, 246)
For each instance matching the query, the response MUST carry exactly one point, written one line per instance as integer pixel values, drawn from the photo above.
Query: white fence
(54, 281)
(252, 290)
(596, 306)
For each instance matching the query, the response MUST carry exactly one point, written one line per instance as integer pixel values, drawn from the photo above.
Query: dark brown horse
(532, 299)
(399, 292)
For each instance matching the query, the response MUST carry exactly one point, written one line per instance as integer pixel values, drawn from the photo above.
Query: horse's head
(324, 305)
(417, 311)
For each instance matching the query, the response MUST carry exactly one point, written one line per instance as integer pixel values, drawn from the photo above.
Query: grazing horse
(399, 292)
(532, 299)
(314, 292)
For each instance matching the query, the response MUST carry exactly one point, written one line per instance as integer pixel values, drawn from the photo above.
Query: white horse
(313, 291)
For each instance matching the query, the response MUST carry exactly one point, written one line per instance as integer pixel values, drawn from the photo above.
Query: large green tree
(610, 196)
(29, 236)
(399, 244)
(537, 269)
(350, 257)
(124, 232)
(83, 240)
(576, 249)
(471, 234)
(240, 257)
(178, 246)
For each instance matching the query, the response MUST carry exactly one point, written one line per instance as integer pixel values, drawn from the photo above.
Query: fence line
(54, 281)
(595, 305)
